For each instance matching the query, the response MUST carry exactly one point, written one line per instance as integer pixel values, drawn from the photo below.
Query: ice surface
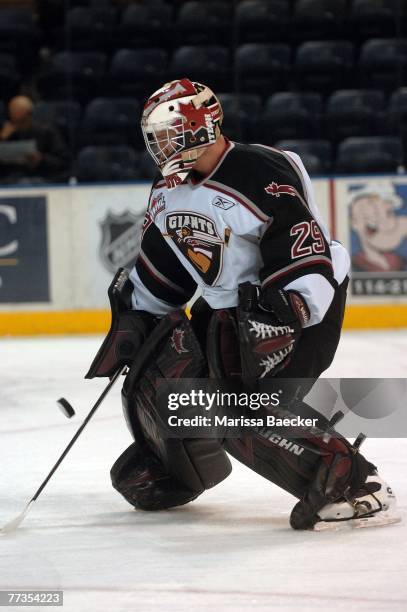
(231, 549)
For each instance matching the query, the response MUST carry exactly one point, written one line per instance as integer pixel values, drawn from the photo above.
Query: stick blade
(16, 522)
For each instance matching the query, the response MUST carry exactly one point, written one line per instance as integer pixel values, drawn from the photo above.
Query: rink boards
(60, 246)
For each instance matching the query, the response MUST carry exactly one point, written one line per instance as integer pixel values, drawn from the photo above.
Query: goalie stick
(14, 523)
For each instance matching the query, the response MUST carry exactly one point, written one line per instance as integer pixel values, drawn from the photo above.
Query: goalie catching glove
(270, 323)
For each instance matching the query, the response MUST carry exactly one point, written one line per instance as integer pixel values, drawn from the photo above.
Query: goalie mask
(178, 122)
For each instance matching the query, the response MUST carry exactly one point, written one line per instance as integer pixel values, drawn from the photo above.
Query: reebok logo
(222, 203)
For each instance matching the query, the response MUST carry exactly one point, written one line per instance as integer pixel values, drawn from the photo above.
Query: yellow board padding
(32, 323)
(375, 316)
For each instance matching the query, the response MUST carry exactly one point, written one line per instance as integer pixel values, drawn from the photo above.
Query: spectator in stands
(49, 162)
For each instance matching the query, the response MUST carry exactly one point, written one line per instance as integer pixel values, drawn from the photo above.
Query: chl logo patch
(222, 203)
(157, 205)
(276, 190)
(198, 240)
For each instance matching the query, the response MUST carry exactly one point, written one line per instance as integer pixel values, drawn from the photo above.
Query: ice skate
(374, 505)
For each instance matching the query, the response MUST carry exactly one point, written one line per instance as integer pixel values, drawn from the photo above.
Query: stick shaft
(80, 430)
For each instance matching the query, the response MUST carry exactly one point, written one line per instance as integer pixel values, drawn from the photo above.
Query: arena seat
(369, 154)
(315, 154)
(75, 75)
(324, 65)
(260, 21)
(99, 164)
(91, 3)
(64, 114)
(91, 28)
(262, 68)
(10, 77)
(374, 18)
(383, 63)
(319, 19)
(209, 64)
(355, 112)
(200, 23)
(289, 115)
(111, 121)
(137, 72)
(398, 108)
(145, 24)
(240, 112)
(19, 34)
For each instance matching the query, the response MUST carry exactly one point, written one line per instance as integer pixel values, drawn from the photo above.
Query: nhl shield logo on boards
(121, 238)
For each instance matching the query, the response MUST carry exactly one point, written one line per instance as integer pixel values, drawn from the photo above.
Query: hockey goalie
(239, 223)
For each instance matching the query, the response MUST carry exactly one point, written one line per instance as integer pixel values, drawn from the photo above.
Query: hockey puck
(66, 407)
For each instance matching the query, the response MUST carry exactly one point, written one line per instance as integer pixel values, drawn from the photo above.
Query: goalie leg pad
(139, 476)
(316, 470)
(171, 351)
(177, 470)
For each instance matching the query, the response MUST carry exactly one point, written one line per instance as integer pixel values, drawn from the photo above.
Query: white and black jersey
(254, 218)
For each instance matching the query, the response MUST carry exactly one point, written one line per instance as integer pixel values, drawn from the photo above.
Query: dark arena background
(326, 79)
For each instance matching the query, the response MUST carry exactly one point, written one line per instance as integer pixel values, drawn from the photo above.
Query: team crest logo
(121, 237)
(222, 203)
(198, 240)
(276, 190)
(177, 341)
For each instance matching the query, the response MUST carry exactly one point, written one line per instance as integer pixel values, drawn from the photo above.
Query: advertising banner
(24, 273)
(375, 213)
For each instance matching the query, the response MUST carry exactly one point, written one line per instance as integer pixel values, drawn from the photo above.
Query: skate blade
(379, 520)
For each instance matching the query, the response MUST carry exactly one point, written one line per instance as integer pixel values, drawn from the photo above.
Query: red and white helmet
(178, 122)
